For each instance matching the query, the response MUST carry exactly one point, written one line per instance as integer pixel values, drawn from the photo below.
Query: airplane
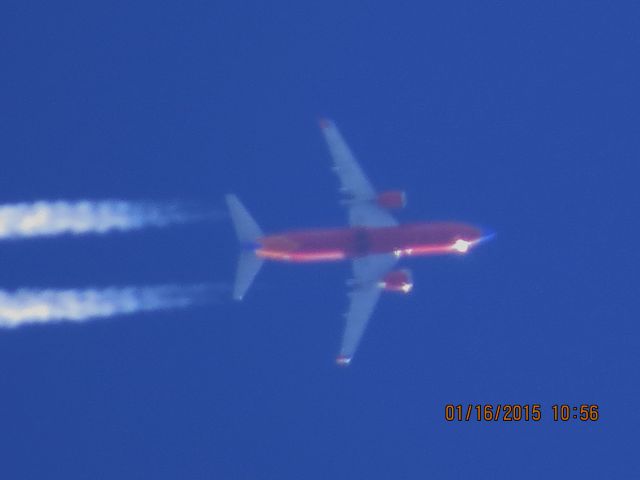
(374, 242)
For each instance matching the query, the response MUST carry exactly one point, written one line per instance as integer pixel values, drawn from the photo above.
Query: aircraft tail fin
(248, 232)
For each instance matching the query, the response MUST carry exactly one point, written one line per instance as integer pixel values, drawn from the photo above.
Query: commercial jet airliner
(374, 242)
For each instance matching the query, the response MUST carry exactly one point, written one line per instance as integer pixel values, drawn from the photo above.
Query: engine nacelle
(397, 281)
(392, 200)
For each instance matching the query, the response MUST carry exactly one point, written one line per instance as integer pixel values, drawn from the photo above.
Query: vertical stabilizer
(248, 232)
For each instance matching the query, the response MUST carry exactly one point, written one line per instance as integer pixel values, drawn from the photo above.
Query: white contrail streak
(29, 306)
(23, 220)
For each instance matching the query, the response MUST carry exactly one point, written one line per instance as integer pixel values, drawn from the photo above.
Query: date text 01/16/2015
(514, 412)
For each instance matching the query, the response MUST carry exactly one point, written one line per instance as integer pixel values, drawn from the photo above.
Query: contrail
(29, 306)
(23, 220)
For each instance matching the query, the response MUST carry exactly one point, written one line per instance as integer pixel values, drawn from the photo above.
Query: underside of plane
(374, 242)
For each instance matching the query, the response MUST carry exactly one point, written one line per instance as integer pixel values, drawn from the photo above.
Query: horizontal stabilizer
(248, 233)
(246, 227)
(248, 267)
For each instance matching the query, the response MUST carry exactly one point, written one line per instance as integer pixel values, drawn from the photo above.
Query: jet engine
(392, 200)
(397, 281)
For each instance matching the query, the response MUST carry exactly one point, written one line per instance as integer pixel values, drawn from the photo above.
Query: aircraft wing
(368, 271)
(363, 210)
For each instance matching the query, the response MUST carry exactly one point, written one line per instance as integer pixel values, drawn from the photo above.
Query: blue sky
(519, 116)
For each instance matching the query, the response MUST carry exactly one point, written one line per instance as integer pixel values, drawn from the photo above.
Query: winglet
(343, 360)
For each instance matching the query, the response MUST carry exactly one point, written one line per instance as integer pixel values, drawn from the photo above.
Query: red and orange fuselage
(325, 245)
